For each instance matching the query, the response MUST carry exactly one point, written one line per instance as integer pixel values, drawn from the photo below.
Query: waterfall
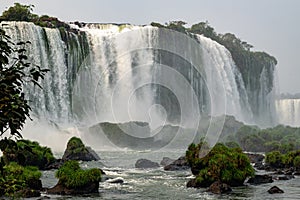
(288, 111)
(121, 73)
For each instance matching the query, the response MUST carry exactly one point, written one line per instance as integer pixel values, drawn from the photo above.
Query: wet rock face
(76, 150)
(166, 161)
(275, 189)
(219, 188)
(260, 179)
(179, 164)
(255, 158)
(62, 190)
(145, 164)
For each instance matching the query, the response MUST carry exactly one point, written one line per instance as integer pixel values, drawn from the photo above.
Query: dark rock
(285, 177)
(28, 193)
(43, 197)
(102, 172)
(55, 165)
(166, 161)
(219, 188)
(117, 180)
(179, 164)
(275, 189)
(297, 173)
(289, 171)
(76, 150)
(62, 190)
(279, 172)
(255, 158)
(260, 179)
(144, 164)
(259, 166)
(34, 184)
(192, 183)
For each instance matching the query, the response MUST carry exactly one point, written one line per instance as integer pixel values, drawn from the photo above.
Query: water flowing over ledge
(121, 73)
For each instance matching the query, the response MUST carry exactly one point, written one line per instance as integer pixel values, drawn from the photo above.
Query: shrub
(278, 160)
(26, 152)
(296, 162)
(274, 159)
(72, 176)
(228, 165)
(16, 177)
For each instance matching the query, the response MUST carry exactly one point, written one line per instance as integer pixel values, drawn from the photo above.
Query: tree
(18, 12)
(204, 29)
(177, 26)
(15, 71)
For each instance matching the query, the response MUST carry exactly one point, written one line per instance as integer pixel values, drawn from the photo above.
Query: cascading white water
(121, 73)
(288, 111)
(122, 59)
(219, 63)
(46, 50)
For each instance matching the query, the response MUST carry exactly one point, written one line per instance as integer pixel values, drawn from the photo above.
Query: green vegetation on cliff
(252, 65)
(20, 12)
(280, 138)
(228, 165)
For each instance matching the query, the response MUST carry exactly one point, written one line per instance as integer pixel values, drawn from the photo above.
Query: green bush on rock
(277, 160)
(16, 178)
(26, 153)
(228, 165)
(71, 175)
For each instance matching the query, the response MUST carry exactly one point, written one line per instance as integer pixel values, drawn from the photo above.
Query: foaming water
(160, 184)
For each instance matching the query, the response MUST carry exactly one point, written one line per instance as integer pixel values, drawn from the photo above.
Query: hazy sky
(269, 25)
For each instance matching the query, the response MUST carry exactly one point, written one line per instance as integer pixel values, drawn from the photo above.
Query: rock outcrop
(179, 164)
(76, 150)
(145, 164)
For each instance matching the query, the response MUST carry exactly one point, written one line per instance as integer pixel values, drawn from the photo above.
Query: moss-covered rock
(276, 160)
(76, 150)
(16, 179)
(74, 180)
(227, 165)
(26, 153)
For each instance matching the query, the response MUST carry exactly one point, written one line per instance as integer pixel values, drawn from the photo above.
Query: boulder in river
(179, 164)
(219, 188)
(275, 189)
(76, 150)
(144, 164)
(260, 179)
(166, 161)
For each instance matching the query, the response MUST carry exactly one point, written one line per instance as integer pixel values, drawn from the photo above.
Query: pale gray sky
(269, 25)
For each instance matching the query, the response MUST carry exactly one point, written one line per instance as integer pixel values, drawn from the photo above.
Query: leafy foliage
(15, 178)
(26, 153)
(20, 12)
(14, 73)
(277, 160)
(228, 165)
(72, 176)
(280, 138)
